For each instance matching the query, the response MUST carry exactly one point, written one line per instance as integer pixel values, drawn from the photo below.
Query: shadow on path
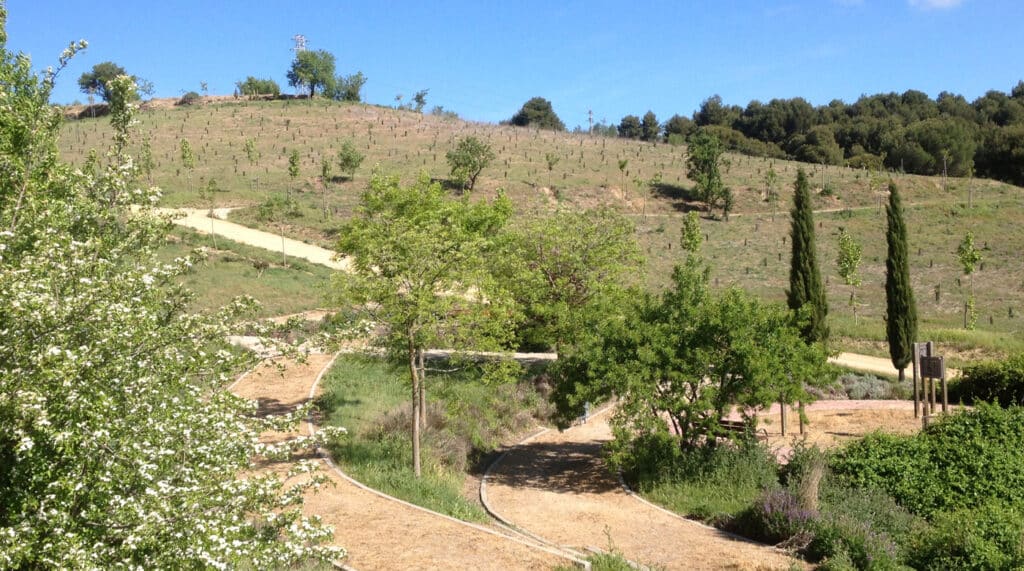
(563, 467)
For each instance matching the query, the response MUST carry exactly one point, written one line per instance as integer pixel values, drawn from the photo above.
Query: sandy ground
(557, 487)
(381, 533)
(877, 365)
(198, 220)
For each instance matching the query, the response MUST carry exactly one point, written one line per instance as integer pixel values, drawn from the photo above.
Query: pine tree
(804, 277)
(900, 311)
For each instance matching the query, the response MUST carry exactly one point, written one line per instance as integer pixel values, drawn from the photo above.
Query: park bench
(740, 427)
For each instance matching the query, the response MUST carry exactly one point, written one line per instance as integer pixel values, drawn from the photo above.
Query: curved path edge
(547, 547)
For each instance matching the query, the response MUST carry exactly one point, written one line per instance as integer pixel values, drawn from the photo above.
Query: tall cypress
(804, 277)
(900, 310)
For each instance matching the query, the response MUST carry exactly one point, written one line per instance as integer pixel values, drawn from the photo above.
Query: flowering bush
(119, 446)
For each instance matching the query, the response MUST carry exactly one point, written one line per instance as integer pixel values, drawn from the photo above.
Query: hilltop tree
(96, 80)
(419, 268)
(419, 100)
(467, 160)
(537, 112)
(347, 88)
(312, 69)
(649, 127)
(900, 309)
(630, 127)
(119, 445)
(703, 167)
(254, 87)
(349, 159)
(805, 286)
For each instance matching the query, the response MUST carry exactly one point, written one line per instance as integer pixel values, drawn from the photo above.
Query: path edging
(326, 457)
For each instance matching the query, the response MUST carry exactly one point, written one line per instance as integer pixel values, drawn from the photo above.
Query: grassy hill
(750, 251)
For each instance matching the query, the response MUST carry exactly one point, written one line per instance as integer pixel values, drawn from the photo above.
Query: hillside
(749, 250)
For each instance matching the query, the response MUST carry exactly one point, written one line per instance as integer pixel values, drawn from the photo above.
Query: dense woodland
(908, 132)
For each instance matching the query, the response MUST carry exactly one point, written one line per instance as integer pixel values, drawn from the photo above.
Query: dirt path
(198, 220)
(556, 487)
(382, 533)
(877, 365)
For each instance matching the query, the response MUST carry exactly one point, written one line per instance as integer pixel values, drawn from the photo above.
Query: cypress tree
(900, 310)
(805, 285)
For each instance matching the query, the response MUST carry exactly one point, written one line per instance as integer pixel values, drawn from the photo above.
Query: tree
(188, 159)
(349, 159)
(702, 167)
(805, 286)
(312, 69)
(348, 88)
(293, 165)
(678, 128)
(419, 270)
(96, 80)
(900, 310)
(771, 188)
(537, 112)
(325, 179)
(254, 87)
(419, 100)
(146, 162)
(469, 157)
(119, 445)
(559, 267)
(630, 127)
(649, 127)
(848, 263)
(969, 257)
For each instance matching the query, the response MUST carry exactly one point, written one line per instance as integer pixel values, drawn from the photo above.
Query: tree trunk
(414, 374)
(423, 390)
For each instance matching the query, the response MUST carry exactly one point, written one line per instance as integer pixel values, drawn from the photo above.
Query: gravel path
(382, 533)
(556, 486)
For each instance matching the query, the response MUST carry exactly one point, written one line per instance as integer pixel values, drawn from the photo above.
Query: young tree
(119, 446)
(250, 151)
(805, 286)
(900, 309)
(349, 87)
(96, 80)
(293, 165)
(146, 162)
(325, 179)
(537, 112)
(969, 257)
(312, 69)
(469, 157)
(188, 160)
(349, 159)
(419, 268)
(419, 100)
(771, 188)
(848, 264)
(702, 167)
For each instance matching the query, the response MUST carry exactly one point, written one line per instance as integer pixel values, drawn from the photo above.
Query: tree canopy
(702, 167)
(537, 112)
(96, 79)
(467, 160)
(312, 69)
(253, 87)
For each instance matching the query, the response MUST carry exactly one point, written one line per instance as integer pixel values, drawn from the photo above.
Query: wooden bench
(740, 427)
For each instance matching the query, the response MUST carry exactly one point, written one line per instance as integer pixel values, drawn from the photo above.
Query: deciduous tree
(312, 69)
(96, 80)
(349, 159)
(467, 160)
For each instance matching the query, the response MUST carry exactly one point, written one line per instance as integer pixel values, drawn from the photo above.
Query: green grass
(229, 271)
(357, 393)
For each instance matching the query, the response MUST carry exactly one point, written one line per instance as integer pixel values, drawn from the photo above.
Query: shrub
(998, 381)
(962, 461)
(775, 516)
(189, 98)
(985, 537)
(870, 387)
(845, 538)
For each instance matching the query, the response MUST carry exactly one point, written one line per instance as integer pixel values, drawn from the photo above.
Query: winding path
(381, 532)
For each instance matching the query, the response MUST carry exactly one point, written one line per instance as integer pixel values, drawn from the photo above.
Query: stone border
(326, 457)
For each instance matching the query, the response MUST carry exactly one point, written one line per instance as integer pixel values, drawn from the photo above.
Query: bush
(844, 538)
(870, 387)
(986, 537)
(996, 381)
(189, 98)
(775, 516)
(963, 461)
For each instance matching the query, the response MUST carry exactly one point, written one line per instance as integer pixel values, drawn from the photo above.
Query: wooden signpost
(927, 368)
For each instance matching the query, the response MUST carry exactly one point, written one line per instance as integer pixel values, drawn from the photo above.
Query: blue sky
(484, 58)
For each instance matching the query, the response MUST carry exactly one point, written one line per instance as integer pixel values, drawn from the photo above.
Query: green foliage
(293, 164)
(630, 127)
(119, 446)
(467, 160)
(537, 112)
(349, 158)
(96, 80)
(900, 309)
(312, 69)
(848, 262)
(702, 167)
(649, 127)
(962, 461)
(994, 381)
(348, 88)
(189, 98)
(987, 537)
(561, 267)
(691, 236)
(419, 100)
(805, 285)
(254, 87)
(869, 387)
